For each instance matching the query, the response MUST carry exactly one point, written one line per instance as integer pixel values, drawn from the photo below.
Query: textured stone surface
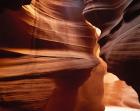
(48, 41)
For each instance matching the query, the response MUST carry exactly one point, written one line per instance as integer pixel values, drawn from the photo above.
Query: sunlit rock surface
(119, 21)
(37, 43)
(42, 39)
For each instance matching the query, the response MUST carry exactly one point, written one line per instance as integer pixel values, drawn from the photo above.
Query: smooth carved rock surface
(39, 42)
(119, 21)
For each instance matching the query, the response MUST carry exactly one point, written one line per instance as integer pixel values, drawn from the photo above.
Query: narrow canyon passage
(50, 56)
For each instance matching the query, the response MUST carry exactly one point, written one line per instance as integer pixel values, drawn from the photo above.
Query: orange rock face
(49, 61)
